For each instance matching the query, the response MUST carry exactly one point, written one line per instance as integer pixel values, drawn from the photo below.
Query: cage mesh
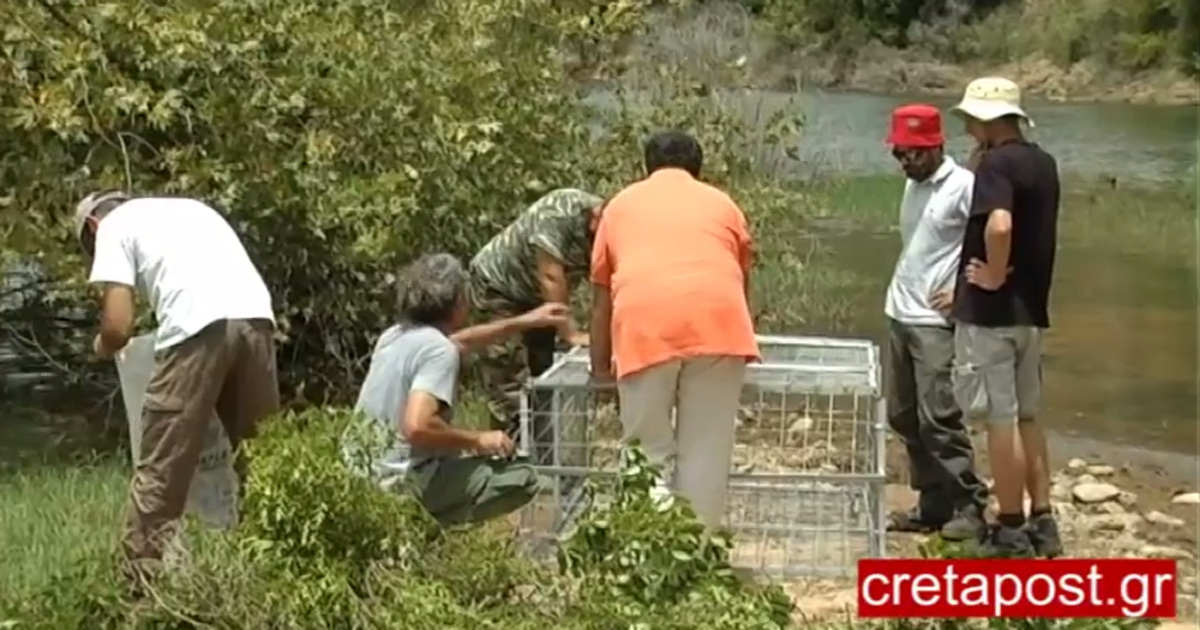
(806, 484)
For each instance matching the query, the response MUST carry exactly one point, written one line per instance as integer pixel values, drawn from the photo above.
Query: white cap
(990, 98)
(88, 206)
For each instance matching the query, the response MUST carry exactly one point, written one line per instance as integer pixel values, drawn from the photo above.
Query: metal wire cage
(806, 486)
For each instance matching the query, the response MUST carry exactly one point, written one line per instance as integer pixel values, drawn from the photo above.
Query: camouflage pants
(505, 367)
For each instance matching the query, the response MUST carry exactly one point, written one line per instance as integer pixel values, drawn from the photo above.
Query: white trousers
(696, 446)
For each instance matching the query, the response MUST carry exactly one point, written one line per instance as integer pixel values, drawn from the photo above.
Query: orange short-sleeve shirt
(674, 253)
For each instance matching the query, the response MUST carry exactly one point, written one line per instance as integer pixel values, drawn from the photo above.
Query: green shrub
(301, 507)
(321, 547)
(1129, 35)
(628, 548)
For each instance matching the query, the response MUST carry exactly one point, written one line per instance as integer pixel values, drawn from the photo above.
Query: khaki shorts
(998, 372)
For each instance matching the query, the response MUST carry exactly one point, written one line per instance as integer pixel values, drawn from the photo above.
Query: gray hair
(429, 290)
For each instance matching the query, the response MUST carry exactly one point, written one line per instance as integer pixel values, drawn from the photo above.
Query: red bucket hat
(916, 126)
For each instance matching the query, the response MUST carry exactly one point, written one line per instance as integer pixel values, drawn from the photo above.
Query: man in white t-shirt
(214, 348)
(921, 405)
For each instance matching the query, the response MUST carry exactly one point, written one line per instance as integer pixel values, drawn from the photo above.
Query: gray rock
(1086, 479)
(1166, 553)
(1060, 492)
(1187, 498)
(1187, 585)
(1095, 492)
(1108, 522)
(1101, 471)
(1065, 510)
(1077, 465)
(1155, 517)
(1110, 507)
(1126, 543)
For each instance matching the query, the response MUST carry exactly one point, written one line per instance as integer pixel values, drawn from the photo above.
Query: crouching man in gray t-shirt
(411, 388)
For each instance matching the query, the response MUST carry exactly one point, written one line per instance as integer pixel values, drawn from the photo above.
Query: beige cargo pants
(228, 367)
(682, 412)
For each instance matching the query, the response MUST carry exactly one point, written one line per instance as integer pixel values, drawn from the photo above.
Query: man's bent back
(672, 257)
(215, 351)
(194, 267)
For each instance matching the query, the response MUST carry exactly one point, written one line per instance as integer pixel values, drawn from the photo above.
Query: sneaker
(1043, 534)
(966, 524)
(1006, 542)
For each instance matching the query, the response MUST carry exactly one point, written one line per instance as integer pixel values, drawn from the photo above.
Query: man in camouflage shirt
(537, 259)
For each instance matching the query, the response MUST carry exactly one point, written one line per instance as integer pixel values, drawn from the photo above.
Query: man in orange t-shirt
(670, 273)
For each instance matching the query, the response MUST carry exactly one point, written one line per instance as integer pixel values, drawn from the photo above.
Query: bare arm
(600, 326)
(423, 427)
(993, 197)
(601, 330)
(997, 240)
(552, 279)
(117, 318)
(114, 270)
(482, 335)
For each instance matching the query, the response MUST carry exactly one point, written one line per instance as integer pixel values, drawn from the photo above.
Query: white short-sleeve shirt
(185, 259)
(933, 220)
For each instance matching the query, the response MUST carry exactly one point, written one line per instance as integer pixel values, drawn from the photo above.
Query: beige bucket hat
(88, 206)
(990, 98)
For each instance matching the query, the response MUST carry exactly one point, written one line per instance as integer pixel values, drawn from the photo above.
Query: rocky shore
(1106, 508)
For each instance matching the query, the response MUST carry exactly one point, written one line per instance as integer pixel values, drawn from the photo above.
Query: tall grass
(54, 516)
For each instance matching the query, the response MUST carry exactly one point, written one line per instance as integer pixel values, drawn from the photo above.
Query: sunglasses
(907, 154)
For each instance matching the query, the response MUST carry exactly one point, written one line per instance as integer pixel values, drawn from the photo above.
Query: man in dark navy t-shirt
(1001, 308)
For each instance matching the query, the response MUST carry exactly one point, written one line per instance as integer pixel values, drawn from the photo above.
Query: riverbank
(1110, 502)
(882, 70)
(710, 40)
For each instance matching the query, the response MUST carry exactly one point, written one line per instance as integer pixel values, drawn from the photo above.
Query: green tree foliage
(1126, 34)
(341, 139)
(1188, 37)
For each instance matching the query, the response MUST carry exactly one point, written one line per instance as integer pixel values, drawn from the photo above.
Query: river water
(1140, 142)
(1121, 356)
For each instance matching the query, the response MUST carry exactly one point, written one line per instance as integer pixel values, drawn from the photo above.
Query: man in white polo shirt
(214, 349)
(921, 403)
